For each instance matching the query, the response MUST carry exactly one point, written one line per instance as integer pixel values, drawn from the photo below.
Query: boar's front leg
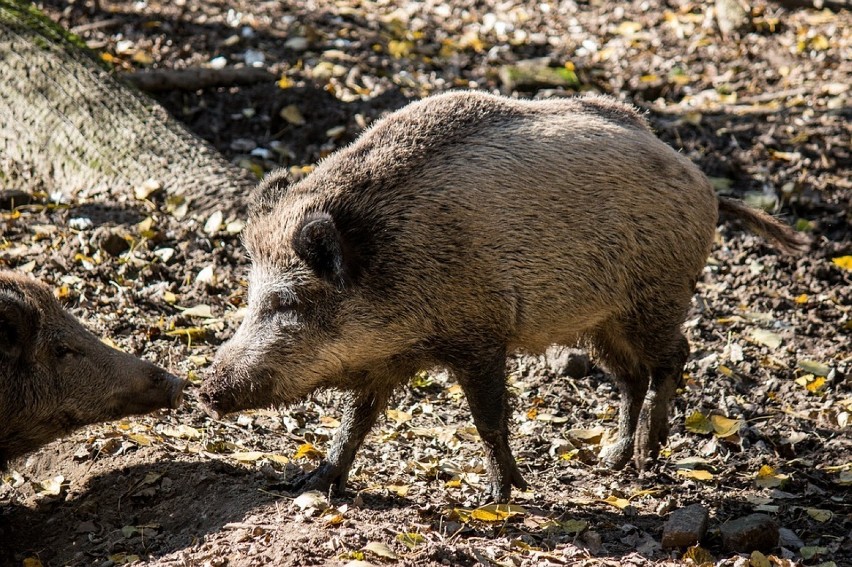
(361, 409)
(483, 380)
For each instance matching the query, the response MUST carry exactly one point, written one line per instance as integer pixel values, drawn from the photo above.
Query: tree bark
(69, 125)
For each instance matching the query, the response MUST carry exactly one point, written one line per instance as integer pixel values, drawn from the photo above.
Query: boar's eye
(280, 304)
(63, 351)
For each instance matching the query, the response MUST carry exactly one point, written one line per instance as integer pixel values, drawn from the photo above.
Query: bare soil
(764, 111)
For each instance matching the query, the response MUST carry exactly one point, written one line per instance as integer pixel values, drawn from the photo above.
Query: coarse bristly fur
(56, 376)
(460, 229)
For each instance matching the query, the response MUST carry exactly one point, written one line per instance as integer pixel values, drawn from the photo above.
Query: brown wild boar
(56, 376)
(460, 229)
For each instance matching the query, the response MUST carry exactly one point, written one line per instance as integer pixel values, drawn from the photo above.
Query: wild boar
(463, 228)
(56, 376)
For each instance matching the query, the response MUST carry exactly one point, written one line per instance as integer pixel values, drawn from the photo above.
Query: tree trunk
(68, 125)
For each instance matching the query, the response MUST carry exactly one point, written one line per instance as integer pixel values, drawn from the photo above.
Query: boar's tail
(765, 225)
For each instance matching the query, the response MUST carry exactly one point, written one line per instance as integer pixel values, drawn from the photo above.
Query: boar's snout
(155, 389)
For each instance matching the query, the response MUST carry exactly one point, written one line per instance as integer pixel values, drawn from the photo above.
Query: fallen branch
(197, 78)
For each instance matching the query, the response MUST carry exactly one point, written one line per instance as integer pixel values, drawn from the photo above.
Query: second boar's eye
(62, 350)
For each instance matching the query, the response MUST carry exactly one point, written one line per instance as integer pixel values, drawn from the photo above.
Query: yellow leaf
(767, 477)
(725, 370)
(844, 262)
(496, 512)
(399, 417)
(284, 82)
(181, 432)
(293, 115)
(697, 422)
(696, 474)
(308, 451)
(815, 385)
(51, 486)
(410, 539)
(141, 440)
(758, 559)
(649, 78)
(819, 514)
(399, 49)
(698, 555)
(802, 298)
(32, 562)
(400, 489)
(820, 43)
(620, 503)
(725, 426)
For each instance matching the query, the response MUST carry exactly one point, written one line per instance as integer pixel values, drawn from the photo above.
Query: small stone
(752, 532)
(788, 538)
(685, 526)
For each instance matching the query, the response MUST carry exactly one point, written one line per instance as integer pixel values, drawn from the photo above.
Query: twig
(99, 25)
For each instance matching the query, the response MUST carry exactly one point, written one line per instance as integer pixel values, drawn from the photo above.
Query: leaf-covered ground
(763, 423)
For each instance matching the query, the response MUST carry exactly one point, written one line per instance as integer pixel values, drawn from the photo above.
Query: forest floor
(762, 424)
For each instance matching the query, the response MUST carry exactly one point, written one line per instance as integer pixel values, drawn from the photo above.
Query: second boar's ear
(16, 326)
(318, 243)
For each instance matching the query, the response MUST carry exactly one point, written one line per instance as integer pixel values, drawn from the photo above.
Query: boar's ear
(318, 244)
(17, 323)
(269, 192)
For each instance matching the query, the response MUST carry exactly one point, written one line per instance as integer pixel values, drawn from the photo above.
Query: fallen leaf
(758, 559)
(51, 486)
(815, 368)
(620, 503)
(697, 422)
(725, 426)
(308, 451)
(697, 474)
(819, 514)
(247, 456)
(767, 338)
(181, 432)
(410, 539)
(311, 499)
(380, 549)
(810, 551)
(399, 417)
(496, 512)
(698, 555)
(293, 115)
(767, 477)
(844, 262)
(203, 311)
(32, 562)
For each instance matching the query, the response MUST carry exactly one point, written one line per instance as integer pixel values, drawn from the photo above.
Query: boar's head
(56, 376)
(308, 322)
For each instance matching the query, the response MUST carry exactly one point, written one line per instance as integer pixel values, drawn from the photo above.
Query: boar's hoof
(617, 455)
(322, 478)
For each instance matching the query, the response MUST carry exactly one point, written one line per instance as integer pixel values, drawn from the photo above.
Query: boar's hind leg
(361, 409)
(631, 377)
(483, 380)
(666, 376)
